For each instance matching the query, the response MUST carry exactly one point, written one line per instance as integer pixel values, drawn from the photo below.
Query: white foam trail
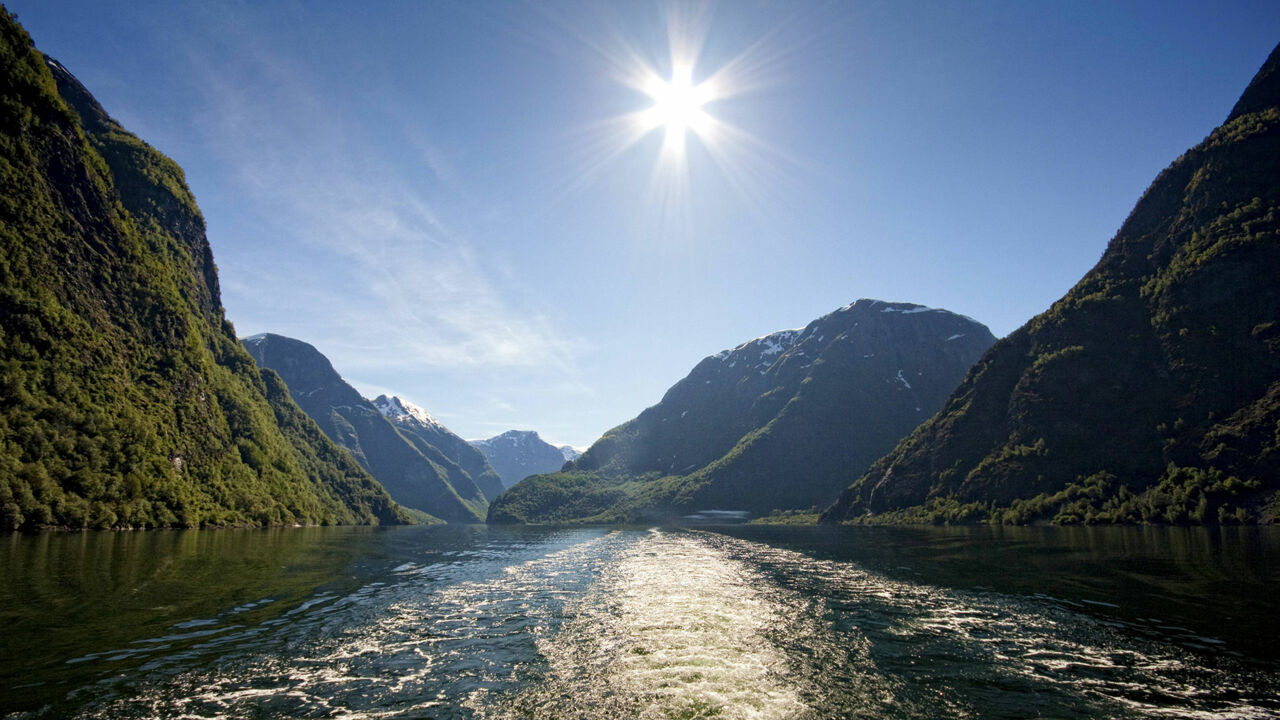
(687, 625)
(673, 628)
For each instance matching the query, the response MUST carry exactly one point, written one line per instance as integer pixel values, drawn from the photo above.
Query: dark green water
(730, 622)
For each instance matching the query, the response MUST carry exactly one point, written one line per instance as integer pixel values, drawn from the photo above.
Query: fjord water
(730, 622)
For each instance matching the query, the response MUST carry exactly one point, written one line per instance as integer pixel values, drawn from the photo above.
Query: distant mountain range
(418, 461)
(517, 454)
(125, 399)
(1151, 391)
(781, 422)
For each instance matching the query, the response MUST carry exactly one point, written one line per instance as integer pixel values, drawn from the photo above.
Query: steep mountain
(780, 422)
(517, 454)
(1151, 391)
(416, 474)
(570, 453)
(125, 399)
(429, 436)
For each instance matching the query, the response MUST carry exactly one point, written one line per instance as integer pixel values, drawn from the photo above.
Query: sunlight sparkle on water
(673, 628)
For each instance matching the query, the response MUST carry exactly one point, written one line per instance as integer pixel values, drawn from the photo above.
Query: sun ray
(678, 96)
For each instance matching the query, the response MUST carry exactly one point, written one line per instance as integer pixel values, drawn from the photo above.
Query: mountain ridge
(725, 435)
(1151, 391)
(517, 454)
(415, 473)
(429, 436)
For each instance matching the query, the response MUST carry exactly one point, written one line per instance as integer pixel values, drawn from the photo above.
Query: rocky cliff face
(417, 475)
(1151, 391)
(517, 454)
(125, 400)
(779, 422)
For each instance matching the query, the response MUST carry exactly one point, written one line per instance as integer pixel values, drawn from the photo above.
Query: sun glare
(677, 107)
(681, 98)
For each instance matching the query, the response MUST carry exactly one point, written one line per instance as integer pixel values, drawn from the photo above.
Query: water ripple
(983, 654)
(595, 624)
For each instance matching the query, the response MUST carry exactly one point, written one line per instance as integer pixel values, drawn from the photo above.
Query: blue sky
(446, 199)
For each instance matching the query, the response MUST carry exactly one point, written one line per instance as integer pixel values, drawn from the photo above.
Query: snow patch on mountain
(393, 408)
(761, 351)
(903, 308)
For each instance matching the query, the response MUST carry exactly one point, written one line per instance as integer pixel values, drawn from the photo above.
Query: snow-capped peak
(393, 408)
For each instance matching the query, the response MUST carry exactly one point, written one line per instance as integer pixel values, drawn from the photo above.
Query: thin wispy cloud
(355, 236)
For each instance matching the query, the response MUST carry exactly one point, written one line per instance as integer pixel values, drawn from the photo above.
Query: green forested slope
(1151, 391)
(125, 399)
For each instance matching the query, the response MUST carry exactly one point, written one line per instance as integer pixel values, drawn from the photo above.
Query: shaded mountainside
(417, 474)
(517, 454)
(1151, 391)
(429, 436)
(125, 399)
(781, 422)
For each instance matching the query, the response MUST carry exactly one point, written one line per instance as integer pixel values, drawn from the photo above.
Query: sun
(677, 107)
(684, 95)
(677, 103)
